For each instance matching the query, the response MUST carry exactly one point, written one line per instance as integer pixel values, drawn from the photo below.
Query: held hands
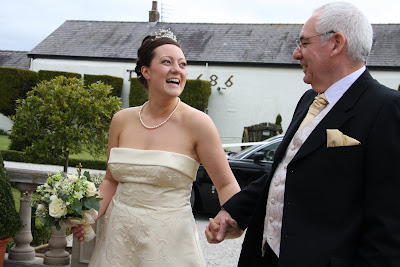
(222, 227)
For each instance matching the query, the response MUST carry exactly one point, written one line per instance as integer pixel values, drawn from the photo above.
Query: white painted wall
(390, 79)
(256, 95)
(5, 123)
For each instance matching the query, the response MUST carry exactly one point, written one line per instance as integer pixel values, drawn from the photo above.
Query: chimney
(154, 16)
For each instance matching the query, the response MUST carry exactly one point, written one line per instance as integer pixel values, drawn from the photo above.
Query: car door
(253, 165)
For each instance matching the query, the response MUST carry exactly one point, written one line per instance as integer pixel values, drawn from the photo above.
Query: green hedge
(18, 156)
(115, 82)
(51, 74)
(14, 84)
(137, 94)
(196, 93)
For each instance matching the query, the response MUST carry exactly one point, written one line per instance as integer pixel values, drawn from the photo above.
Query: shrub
(14, 84)
(115, 82)
(19, 156)
(196, 94)
(10, 222)
(41, 233)
(47, 75)
(278, 121)
(137, 94)
(12, 155)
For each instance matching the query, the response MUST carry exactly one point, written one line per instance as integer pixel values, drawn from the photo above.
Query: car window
(268, 151)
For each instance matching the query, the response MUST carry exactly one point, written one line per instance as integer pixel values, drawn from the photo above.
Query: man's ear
(145, 72)
(339, 43)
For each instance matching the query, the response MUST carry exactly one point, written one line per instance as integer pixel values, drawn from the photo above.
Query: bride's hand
(78, 232)
(222, 227)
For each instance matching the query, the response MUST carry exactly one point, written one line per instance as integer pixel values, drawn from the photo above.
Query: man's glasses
(299, 42)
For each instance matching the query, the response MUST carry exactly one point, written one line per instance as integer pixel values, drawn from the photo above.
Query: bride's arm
(209, 150)
(107, 190)
(109, 184)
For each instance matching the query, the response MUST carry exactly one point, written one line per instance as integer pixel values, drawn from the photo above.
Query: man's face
(313, 56)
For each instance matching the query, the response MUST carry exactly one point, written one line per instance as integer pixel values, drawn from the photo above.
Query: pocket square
(337, 138)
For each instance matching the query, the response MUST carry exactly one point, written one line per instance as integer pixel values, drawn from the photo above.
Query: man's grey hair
(347, 19)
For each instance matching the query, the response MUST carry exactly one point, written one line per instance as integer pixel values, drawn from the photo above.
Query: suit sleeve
(380, 243)
(242, 205)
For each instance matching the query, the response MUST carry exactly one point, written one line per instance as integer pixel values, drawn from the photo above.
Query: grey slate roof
(14, 59)
(201, 42)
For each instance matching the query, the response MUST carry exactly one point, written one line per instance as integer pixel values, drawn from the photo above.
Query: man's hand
(222, 227)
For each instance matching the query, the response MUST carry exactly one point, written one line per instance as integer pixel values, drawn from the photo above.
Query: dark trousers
(270, 259)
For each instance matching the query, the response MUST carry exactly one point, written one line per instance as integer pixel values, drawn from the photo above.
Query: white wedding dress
(149, 221)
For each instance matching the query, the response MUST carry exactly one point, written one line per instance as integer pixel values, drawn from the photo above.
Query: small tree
(61, 116)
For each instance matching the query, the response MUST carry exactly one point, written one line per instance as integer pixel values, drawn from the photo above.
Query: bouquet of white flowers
(68, 200)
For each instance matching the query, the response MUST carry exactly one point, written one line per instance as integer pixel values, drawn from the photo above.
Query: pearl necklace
(158, 125)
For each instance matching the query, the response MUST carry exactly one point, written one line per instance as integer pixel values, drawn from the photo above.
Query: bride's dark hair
(146, 53)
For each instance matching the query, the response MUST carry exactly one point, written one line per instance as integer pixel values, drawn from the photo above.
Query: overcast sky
(25, 23)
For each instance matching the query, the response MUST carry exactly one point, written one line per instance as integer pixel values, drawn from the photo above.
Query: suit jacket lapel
(294, 125)
(336, 117)
(300, 113)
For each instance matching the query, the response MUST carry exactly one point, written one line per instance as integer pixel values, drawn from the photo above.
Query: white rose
(91, 189)
(57, 207)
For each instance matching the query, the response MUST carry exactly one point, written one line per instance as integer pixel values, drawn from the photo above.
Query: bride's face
(167, 71)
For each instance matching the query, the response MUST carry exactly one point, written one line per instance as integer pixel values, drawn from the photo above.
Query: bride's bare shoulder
(193, 115)
(125, 114)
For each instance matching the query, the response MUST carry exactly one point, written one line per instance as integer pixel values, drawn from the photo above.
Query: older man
(332, 196)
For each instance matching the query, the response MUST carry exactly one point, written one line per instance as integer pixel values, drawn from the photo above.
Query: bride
(154, 152)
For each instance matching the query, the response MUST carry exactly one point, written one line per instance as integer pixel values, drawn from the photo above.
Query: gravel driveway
(224, 254)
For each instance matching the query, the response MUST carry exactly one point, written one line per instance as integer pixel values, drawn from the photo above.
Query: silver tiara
(166, 33)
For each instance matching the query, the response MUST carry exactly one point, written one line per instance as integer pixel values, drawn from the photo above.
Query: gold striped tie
(319, 103)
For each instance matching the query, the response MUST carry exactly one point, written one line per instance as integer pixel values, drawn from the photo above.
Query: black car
(247, 166)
